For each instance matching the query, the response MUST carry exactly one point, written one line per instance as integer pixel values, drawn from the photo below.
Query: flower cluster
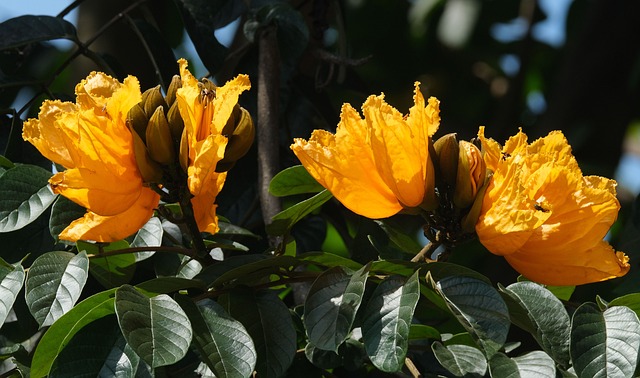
(124, 151)
(527, 202)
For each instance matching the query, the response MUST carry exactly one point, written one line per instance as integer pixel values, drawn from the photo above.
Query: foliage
(310, 289)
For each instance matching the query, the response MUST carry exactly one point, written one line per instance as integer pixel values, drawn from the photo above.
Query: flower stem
(425, 252)
(190, 221)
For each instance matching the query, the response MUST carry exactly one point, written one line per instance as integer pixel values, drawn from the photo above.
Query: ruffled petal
(203, 168)
(204, 207)
(225, 100)
(113, 228)
(575, 267)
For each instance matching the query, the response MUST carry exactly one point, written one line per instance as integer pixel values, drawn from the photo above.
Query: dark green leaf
(331, 306)
(460, 360)
(24, 196)
(54, 284)
(211, 273)
(479, 308)
(538, 311)
(63, 212)
(92, 351)
(604, 344)
(283, 221)
(150, 235)
(329, 260)
(60, 333)
(269, 323)
(421, 332)
(400, 237)
(439, 270)
(630, 300)
(157, 329)
(11, 280)
(231, 230)
(501, 366)
(23, 30)
(256, 270)
(111, 270)
(222, 342)
(324, 359)
(536, 364)
(387, 320)
(293, 180)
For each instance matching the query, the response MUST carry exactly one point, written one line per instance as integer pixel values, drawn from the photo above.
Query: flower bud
(159, 141)
(239, 142)
(468, 222)
(448, 151)
(175, 84)
(153, 99)
(137, 120)
(183, 155)
(176, 123)
(430, 200)
(470, 175)
(150, 171)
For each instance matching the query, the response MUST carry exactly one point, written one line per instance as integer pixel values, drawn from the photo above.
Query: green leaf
(439, 270)
(11, 280)
(222, 342)
(23, 30)
(460, 360)
(256, 270)
(421, 332)
(150, 235)
(537, 311)
(331, 306)
(630, 300)
(97, 350)
(211, 273)
(387, 319)
(536, 364)
(62, 331)
(479, 308)
(111, 271)
(294, 180)
(399, 237)
(24, 196)
(324, 359)
(283, 221)
(329, 260)
(63, 212)
(89, 310)
(231, 230)
(157, 329)
(604, 344)
(54, 284)
(269, 323)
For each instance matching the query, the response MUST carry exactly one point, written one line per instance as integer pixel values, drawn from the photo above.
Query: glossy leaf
(329, 260)
(252, 271)
(604, 344)
(538, 311)
(97, 350)
(536, 364)
(399, 237)
(62, 331)
(23, 30)
(150, 235)
(110, 270)
(422, 331)
(630, 300)
(293, 180)
(324, 359)
(87, 311)
(331, 306)
(222, 342)
(11, 280)
(387, 320)
(283, 221)
(460, 360)
(269, 323)
(479, 308)
(24, 196)
(54, 284)
(63, 212)
(156, 328)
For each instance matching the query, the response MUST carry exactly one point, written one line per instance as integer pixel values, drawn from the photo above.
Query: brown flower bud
(470, 175)
(153, 99)
(159, 142)
(239, 142)
(175, 84)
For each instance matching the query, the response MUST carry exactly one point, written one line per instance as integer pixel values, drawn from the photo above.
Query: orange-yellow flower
(379, 165)
(205, 113)
(544, 216)
(91, 140)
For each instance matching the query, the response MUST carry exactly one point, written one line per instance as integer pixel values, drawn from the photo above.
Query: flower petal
(203, 168)
(204, 207)
(575, 267)
(113, 228)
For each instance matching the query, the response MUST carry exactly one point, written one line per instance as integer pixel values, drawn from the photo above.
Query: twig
(415, 373)
(426, 251)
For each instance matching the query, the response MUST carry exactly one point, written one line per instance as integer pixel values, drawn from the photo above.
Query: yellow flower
(544, 216)
(379, 165)
(90, 139)
(205, 113)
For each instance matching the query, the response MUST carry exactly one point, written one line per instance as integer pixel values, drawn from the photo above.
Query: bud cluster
(460, 180)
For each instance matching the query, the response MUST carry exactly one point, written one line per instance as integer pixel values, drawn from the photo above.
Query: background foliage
(306, 287)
